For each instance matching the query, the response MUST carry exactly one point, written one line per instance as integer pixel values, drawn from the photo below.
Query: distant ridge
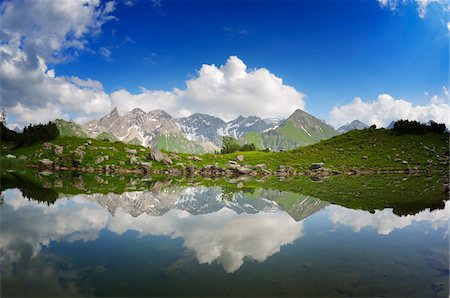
(355, 124)
(201, 133)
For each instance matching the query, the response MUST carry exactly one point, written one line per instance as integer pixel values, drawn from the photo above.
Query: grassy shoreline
(366, 151)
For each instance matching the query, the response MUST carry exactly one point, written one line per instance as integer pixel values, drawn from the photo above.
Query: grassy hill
(368, 149)
(69, 129)
(300, 129)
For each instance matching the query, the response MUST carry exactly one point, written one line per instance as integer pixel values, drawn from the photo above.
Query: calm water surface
(199, 241)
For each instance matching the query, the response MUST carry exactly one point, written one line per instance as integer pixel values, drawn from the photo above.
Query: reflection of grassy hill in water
(30, 189)
(405, 194)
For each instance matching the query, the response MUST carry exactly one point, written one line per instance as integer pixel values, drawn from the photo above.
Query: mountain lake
(126, 236)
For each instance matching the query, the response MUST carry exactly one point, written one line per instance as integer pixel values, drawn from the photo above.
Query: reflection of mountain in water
(306, 206)
(202, 200)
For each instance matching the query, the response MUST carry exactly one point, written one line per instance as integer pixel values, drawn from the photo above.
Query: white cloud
(226, 91)
(47, 27)
(385, 109)
(33, 32)
(385, 221)
(32, 93)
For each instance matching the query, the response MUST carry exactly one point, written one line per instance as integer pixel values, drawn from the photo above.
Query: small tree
(229, 145)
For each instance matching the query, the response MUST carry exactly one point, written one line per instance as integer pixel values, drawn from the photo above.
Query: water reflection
(226, 234)
(226, 231)
(385, 221)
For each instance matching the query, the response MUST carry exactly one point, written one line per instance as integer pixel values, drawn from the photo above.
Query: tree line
(415, 127)
(31, 134)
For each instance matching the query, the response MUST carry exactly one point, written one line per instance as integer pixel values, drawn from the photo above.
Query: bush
(230, 145)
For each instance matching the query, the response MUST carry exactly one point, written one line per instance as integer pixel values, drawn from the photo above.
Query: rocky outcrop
(157, 155)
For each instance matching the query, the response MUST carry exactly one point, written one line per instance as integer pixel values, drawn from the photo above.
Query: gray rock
(22, 157)
(175, 156)
(240, 158)
(147, 165)
(78, 155)
(58, 150)
(99, 160)
(243, 170)
(131, 151)
(405, 162)
(260, 166)
(232, 165)
(195, 158)
(10, 156)
(133, 160)
(45, 165)
(47, 146)
(161, 157)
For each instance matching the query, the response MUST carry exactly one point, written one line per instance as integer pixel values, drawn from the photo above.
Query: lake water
(193, 240)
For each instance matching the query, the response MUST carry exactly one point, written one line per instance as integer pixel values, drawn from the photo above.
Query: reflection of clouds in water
(36, 224)
(385, 221)
(223, 236)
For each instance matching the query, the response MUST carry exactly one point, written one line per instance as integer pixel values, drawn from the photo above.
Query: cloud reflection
(385, 221)
(224, 236)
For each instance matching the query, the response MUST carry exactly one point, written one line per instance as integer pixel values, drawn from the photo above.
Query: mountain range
(201, 133)
(355, 124)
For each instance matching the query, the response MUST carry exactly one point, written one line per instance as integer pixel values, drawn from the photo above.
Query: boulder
(260, 166)
(147, 165)
(58, 150)
(45, 165)
(317, 166)
(232, 165)
(10, 156)
(131, 151)
(195, 158)
(99, 160)
(243, 170)
(133, 160)
(22, 157)
(47, 146)
(161, 157)
(78, 155)
(175, 156)
(240, 158)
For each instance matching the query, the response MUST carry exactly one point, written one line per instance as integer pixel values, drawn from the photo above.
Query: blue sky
(329, 51)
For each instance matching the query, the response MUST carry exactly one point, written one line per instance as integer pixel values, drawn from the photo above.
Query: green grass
(252, 137)
(69, 129)
(178, 143)
(107, 136)
(406, 194)
(370, 150)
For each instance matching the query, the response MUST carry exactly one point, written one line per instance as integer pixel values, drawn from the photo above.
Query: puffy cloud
(33, 32)
(385, 109)
(47, 27)
(231, 90)
(32, 93)
(226, 91)
(385, 221)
